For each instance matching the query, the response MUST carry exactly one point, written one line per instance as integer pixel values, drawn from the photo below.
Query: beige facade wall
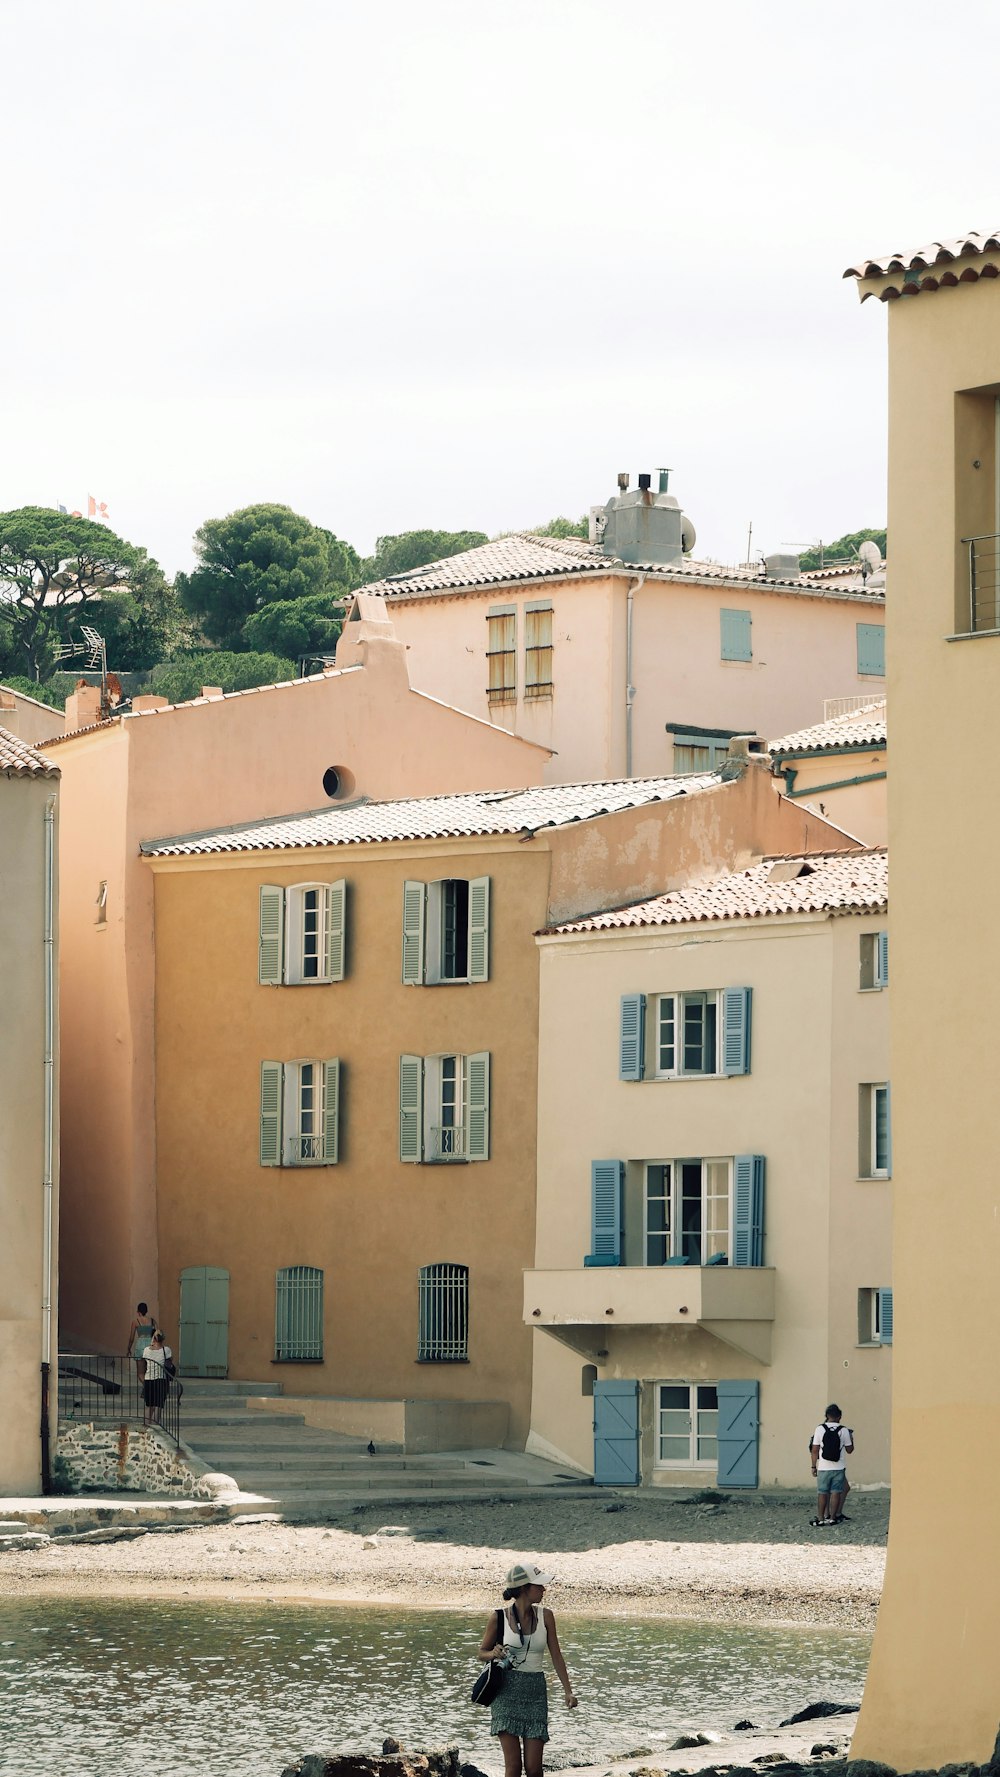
(804, 650)
(23, 1287)
(938, 1622)
(816, 1037)
(28, 718)
(204, 764)
(827, 783)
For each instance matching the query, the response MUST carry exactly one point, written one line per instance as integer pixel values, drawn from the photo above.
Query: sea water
(109, 1688)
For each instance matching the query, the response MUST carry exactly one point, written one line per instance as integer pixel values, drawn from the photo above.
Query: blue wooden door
(204, 1321)
(739, 1425)
(616, 1434)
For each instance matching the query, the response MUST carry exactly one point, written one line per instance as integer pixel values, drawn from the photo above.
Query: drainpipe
(48, 1064)
(635, 587)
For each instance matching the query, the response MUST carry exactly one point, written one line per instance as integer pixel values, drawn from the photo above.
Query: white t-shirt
(156, 1358)
(845, 1441)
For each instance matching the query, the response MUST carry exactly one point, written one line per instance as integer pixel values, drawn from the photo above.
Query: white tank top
(527, 1655)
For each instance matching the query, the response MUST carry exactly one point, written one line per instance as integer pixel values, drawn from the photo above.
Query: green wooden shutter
(411, 1107)
(735, 626)
(607, 1196)
(271, 1082)
(632, 1037)
(736, 1005)
(414, 899)
(477, 1106)
(882, 959)
(331, 1112)
(871, 649)
(885, 1317)
(748, 1209)
(336, 930)
(479, 929)
(270, 956)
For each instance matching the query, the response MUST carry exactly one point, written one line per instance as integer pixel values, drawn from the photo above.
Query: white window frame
(295, 917)
(678, 1001)
(694, 1459)
(294, 1151)
(441, 1073)
(442, 1290)
(870, 1094)
(870, 1315)
(434, 941)
(674, 1232)
(872, 979)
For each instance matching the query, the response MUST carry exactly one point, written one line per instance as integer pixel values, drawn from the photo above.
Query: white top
(845, 1442)
(529, 1655)
(156, 1362)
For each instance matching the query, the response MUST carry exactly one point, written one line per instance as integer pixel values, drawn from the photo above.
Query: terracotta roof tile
(438, 817)
(17, 759)
(932, 267)
(855, 728)
(826, 882)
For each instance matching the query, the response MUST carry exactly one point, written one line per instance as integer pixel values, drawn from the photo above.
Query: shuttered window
(735, 635)
(691, 1034)
(443, 1329)
(446, 931)
(298, 1315)
(874, 961)
(444, 1108)
(501, 654)
(704, 1212)
(537, 651)
(607, 1182)
(874, 1131)
(871, 650)
(687, 1424)
(748, 1210)
(875, 1317)
(300, 1113)
(302, 934)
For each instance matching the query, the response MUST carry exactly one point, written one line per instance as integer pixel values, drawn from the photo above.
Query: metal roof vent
(782, 565)
(643, 526)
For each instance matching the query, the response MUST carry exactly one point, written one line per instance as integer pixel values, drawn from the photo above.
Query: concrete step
(290, 1481)
(214, 1387)
(198, 1416)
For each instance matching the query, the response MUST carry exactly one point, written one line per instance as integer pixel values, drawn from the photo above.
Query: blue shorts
(831, 1480)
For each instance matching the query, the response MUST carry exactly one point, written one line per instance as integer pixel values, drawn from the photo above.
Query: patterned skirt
(522, 1707)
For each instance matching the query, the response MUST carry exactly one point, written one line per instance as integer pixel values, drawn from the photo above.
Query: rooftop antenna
(749, 540)
(871, 559)
(95, 650)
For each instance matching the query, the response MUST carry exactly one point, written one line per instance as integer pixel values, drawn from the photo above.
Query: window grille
(298, 1315)
(443, 1335)
(501, 654)
(537, 653)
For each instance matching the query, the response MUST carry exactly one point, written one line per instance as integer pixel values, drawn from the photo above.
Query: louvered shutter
(888, 1131)
(607, 1179)
(411, 1107)
(477, 1106)
(736, 1007)
(270, 956)
(336, 930)
(735, 626)
(414, 900)
(871, 649)
(748, 1209)
(271, 1080)
(885, 1317)
(479, 929)
(632, 1037)
(331, 1112)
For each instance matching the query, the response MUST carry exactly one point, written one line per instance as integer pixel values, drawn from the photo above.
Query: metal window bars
(298, 1315)
(984, 583)
(443, 1334)
(99, 1389)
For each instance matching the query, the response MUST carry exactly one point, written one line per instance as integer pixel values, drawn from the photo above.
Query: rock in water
(813, 1711)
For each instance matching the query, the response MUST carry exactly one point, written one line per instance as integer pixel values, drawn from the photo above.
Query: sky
(455, 265)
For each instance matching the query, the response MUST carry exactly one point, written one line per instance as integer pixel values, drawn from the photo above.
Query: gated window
(443, 1336)
(537, 651)
(501, 654)
(298, 1315)
(687, 1430)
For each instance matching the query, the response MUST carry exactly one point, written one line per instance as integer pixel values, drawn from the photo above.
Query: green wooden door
(204, 1321)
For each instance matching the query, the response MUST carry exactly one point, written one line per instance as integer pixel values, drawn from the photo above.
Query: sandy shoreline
(744, 1561)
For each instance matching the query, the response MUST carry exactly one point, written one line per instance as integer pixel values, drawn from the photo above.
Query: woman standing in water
(520, 1714)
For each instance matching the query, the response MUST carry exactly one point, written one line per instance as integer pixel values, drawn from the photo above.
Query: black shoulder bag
(493, 1676)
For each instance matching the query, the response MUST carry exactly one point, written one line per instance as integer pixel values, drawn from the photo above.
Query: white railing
(846, 706)
(305, 1150)
(447, 1142)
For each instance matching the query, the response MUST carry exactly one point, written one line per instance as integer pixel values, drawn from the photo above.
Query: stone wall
(124, 1458)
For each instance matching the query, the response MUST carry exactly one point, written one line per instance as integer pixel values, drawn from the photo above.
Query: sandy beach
(741, 1560)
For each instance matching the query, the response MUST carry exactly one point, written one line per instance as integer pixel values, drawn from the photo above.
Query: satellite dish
(871, 558)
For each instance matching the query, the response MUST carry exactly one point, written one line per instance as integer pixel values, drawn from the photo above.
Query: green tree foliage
(563, 527)
(843, 549)
(55, 571)
(259, 557)
(296, 626)
(414, 549)
(40, 693)
(183, 678)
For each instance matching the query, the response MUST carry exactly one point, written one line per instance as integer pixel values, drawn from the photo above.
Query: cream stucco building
(28, 1115)
(712, 1258)
(933, 1694)
(840, 766)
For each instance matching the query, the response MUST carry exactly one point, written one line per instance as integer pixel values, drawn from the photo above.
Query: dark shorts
(155, 1393)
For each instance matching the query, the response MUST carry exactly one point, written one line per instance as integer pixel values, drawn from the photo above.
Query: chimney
(643, 526)
(211, 692)
(83, 706)
(744, 750)
(150, 702)
(782, 565)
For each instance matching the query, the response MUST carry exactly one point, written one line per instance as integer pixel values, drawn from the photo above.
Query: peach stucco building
(932, 1695)
(346, 1071)
(840, 766)
(29, 1153)
(712, 1257)
(28, 718)
(639, 666)
(356, 731)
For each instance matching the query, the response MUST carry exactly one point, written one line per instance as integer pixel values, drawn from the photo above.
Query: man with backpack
(831, 1445)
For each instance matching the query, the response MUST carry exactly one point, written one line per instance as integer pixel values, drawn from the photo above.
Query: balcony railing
(103, 1389)
(984, 583)
(305, 1150)
(446, 1142)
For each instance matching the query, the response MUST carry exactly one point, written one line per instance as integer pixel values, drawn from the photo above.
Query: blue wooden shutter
(748, 1209)
(736, 1006)
(616, 1434)
(885, 1317)
(739, 1426)
(735, 635)
(882, 959)
(607, 1178)
(871, 649)
(632, 1037)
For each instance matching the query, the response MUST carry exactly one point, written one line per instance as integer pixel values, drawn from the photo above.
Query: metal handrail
(984, 583)
(96, 1387)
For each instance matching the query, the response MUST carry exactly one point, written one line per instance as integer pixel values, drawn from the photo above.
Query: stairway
(279, 1460)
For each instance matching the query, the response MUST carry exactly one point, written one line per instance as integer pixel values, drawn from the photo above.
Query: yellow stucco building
(712, 1260)
(933, 1693)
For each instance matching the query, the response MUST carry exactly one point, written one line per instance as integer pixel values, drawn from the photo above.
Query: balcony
(733, 1302)
(984, 584)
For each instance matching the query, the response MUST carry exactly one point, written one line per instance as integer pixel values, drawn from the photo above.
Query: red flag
(97, 509)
